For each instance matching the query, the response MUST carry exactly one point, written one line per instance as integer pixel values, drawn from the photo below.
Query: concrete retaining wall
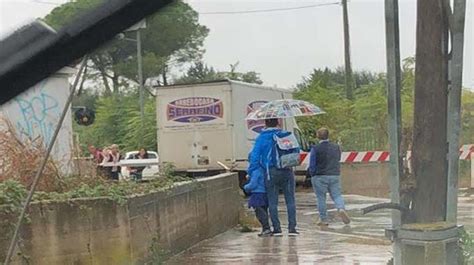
(369, 179)
(372, 179)
(99, 231)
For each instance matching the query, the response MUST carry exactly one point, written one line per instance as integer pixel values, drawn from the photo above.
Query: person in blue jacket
(258, 200)
(263, 158)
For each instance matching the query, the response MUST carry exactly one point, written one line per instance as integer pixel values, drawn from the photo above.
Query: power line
(47, 2)
(267, 10)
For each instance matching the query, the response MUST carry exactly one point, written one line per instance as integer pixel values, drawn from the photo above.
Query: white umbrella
(284, 108)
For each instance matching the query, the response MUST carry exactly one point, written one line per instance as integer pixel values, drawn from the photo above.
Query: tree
(87, 98)
(361, 123)
(200, 72)
(118, 121)
(172, 37)
(467, 118)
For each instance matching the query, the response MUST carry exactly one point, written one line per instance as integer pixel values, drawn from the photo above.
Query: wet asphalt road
(361, 242)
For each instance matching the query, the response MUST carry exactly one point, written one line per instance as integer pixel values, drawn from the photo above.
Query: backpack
(287, 151)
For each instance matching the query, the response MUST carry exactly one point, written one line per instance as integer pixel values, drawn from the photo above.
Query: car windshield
(132, 155)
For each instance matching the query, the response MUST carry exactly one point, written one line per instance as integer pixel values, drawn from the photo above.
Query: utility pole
(392, 40)
(430, 137)
(431, 234)
(454, 106)
(426, 231)
(140, 81)
(137, 27)
(347, 52)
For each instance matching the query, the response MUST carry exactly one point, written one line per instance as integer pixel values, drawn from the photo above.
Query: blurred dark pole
(36, 51)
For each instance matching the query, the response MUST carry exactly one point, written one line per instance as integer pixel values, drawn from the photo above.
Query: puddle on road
(367, 241)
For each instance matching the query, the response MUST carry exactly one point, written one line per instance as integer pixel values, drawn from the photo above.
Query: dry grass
(20, 160)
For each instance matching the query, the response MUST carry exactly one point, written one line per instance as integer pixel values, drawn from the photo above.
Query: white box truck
(203, 125)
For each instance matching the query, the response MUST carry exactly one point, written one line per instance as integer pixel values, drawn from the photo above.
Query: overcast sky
(284, 46)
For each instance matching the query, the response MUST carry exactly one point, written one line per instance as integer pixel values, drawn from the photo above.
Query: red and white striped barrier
(356, 157)
(465, 153)
(369, 156)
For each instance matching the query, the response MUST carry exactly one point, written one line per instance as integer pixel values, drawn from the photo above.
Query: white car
(150, 172)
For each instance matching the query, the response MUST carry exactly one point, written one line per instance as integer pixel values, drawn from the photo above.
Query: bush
(11, 197)
(466, 243)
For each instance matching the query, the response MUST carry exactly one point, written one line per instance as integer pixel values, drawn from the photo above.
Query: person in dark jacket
(258, 200)
(325, 170)
(263, 158)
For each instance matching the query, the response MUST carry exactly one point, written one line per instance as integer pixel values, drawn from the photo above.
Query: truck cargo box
(202, 124)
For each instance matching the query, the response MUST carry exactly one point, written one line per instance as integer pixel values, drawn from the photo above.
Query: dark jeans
(262, 215)
(114, 175)
(281, 179)
(137, 176)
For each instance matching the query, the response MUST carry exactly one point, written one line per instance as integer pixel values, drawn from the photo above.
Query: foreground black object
(36, 51)
(84, 116)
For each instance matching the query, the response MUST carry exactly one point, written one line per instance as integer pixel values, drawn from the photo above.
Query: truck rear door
(193, 128)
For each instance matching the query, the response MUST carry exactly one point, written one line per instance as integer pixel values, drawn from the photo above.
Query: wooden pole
(347, 52)
(430, 118)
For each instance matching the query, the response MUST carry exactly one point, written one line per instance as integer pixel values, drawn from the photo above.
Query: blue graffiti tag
(40, 114)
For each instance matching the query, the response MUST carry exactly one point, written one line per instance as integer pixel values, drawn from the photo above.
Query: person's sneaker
(293, 232)
(323, 223)
(265, 233)
(344, 216)
(277, 233)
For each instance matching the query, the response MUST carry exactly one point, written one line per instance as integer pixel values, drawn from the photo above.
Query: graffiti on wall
(39, 113)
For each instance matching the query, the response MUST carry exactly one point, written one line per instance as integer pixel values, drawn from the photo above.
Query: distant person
(115, 158)
(325, 170)
(97, 157)
(112, 155)
(96, 154)
(263, 157)
(106, 170)
(258, 199)
(136, 173)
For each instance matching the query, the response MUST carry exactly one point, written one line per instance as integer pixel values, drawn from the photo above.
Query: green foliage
(168, 169)
(335, 105)
(116, 191)
(200, 72)
(249, 77)
(335, 79)
(67, 13)
(173, 36)
(88, 99)
(467, 117)
(156, 253)
(118, 121)
(361, 124)
(12, 194)
(357, 124)
(466, 243)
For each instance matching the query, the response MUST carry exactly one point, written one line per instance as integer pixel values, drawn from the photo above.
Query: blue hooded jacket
(256, 183)
(263, 153)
